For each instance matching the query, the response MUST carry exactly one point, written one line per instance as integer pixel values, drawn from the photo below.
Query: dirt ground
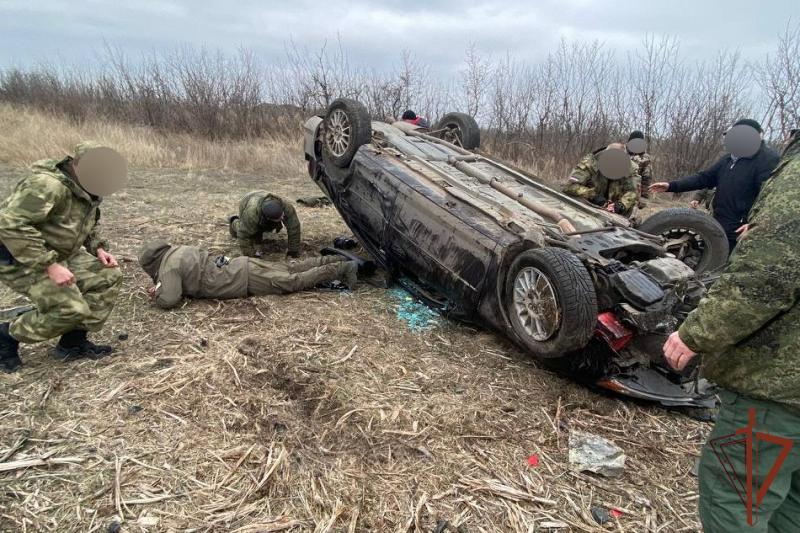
(319, 411)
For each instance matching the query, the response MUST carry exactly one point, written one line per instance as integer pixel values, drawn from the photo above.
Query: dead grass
(311, 412)
(29, 135)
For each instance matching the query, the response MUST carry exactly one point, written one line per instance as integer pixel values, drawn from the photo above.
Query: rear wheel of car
(345, 129)
(459, 129)
(693, 237)
(551, 301)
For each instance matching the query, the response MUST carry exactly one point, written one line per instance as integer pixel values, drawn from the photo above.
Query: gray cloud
(436, 31)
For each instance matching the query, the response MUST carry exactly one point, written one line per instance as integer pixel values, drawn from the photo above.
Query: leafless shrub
(545, 115)
(779, 78)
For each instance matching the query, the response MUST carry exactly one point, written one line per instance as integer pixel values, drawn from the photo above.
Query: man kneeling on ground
(179, 271)
(50, 251)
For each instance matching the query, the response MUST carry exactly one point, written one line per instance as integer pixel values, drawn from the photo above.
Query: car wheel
(551, 301)
(345, 129)
(693, 237)
(459, 129)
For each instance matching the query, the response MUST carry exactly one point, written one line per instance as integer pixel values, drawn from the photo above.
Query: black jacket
(737, 183)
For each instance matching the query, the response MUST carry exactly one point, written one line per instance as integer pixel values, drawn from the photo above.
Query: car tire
(345, 128)
(709, 249)
(460, 129)
(568, 289)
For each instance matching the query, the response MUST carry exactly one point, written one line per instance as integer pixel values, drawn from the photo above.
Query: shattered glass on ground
(415, 314)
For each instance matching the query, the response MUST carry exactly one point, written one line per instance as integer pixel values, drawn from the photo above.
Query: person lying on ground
(261, 212)
(189, 271)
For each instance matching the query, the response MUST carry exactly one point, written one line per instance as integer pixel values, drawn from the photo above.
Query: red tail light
(611, 330)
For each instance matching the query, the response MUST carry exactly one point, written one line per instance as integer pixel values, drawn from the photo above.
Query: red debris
(533, 460)
(616, 513)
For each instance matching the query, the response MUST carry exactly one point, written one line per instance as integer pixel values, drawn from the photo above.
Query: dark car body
(454, 239)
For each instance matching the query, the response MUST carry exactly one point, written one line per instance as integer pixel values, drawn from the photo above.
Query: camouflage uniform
(586, 181)
(747, 330)
(642, 162)
(47, 219)
(705, 197)
(250, 227)
(188, 271)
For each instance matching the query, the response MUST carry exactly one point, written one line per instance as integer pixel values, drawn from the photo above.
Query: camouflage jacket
(586, 181)
(705, 197)
(747, 328)
(643, 162)
(48, 217)
(252, 225)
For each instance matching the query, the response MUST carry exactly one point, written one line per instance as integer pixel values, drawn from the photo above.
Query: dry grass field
(319, 411)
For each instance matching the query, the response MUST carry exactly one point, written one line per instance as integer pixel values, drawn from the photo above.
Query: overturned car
(487, 243)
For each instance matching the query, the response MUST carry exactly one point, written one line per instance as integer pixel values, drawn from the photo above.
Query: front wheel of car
(550, 301)
(345, 128)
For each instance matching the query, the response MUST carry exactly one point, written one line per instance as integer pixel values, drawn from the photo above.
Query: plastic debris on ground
(533, 460)
(592, 453)
(600, 514)
(417, 316)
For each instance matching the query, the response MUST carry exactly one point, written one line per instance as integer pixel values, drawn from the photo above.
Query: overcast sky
(374, 32)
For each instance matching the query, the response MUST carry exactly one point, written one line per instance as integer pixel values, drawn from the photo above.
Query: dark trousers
(721, 506)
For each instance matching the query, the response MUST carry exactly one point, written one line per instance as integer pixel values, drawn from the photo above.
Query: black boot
(75, 345)
(9, 351)
(231, 229)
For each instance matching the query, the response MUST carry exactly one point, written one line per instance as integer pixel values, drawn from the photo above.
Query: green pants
(721, 506)
(84, 305)
(278, 278)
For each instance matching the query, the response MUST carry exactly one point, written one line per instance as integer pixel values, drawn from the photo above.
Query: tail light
(611, 330)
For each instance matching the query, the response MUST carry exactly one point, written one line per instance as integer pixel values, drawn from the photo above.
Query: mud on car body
(487, 243)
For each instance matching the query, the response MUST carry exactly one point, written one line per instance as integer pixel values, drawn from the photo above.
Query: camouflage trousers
(84, 305)
(249, 248)
(278, 278)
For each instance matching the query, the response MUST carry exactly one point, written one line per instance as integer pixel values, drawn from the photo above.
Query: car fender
(310, 135)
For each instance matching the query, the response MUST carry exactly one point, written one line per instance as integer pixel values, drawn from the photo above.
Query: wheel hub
(535, 304)
(337, 135)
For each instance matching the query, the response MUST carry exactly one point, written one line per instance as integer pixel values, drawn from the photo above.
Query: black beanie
(636, 134)
(409, 115)
(749, 122)
(272, 209)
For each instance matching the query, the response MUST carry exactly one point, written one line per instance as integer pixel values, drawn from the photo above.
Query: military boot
(9, 351)
(75, 345)
(232, 226)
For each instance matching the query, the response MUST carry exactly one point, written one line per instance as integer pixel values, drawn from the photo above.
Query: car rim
(452, 134)
(337, 136)
(535, 304)
(685, 245)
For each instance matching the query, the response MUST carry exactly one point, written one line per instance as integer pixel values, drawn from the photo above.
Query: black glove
(619, 208)
(293, 255)
(598, 199)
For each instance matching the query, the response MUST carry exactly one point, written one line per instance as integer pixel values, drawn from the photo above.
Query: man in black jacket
(737, 180)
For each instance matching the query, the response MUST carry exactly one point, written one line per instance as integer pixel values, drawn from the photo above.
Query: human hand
(151, 292)
(60, 275)
(694, 204)
(108, 260)
(661, 186)
(677, 353)
(742, 231)
(610, 207)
